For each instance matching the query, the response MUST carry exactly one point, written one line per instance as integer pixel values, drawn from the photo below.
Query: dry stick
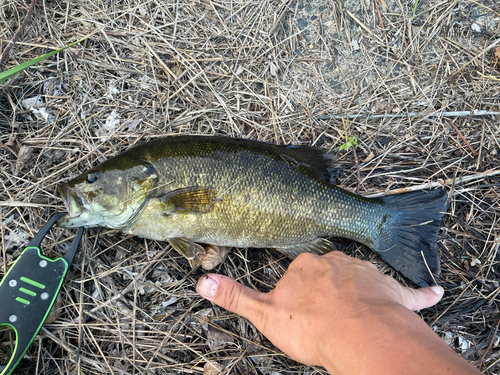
(491, 342)
(474, 113)
(164, 66)
(364, 27)
(463, 138)
(435, 184)
(473, 59)
(428, 268)
(379, 15)
(480, 147)
(132, 284)
(18, 33)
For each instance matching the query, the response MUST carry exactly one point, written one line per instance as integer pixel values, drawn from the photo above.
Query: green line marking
(32, 282)
(23, 301)
(27, 291)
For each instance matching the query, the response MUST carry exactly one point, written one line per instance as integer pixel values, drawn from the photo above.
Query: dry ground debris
(277, 71)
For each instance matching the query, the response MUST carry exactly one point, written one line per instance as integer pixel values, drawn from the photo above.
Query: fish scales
(239, 193)
(262, 200)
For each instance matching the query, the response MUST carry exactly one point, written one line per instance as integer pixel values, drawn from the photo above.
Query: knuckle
(301, 261)
(409, 297)
(305, 258)
(230, 296)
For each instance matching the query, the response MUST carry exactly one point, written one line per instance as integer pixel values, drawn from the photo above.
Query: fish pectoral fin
(189, 200)
(184, 246)
(318, 246)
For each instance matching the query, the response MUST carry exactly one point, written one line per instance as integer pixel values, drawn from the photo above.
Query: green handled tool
(28, 291)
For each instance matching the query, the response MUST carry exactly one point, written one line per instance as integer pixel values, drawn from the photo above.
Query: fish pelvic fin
(184, 246)
(408, 235)
(318, 246)
(208, 257)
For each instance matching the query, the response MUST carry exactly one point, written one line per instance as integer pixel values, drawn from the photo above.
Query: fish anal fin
(318, 246)
(189, 200)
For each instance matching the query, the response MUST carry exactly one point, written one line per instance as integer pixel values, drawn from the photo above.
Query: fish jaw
(111, 198)
(78, 215)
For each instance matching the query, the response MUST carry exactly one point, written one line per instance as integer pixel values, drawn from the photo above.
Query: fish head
(109, 195)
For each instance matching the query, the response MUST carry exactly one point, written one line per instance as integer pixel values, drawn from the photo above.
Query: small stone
(302, 23)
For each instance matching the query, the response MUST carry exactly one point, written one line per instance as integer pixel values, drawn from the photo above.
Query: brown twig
(491, 342)
(463, 138)
(437, 184)
(379, 15)
(17, 34)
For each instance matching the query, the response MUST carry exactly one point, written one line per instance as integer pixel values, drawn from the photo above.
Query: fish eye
(93, 177)
(147, 169)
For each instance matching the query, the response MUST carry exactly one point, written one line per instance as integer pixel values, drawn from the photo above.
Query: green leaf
(350, 142)
(17, 69)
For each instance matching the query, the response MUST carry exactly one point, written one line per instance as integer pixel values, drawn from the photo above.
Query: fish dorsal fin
(318, 246)
(307, 156)
(189, 200)
(184, 246)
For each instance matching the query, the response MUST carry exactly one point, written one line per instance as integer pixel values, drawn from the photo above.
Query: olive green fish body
(240, 193)
(258, 201)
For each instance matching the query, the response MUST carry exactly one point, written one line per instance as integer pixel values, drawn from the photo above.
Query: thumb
(233, 296)
(417, 299)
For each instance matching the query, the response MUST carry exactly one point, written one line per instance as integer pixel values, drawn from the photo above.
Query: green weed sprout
(350, 142)
(19, 68)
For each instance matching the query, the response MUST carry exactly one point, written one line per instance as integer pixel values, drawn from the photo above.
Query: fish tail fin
(409, 234)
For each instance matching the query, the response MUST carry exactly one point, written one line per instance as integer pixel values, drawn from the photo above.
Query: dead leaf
(214, 256)
(212, 368)
(11, 145)
(217, 339)
(24, 156)
(369, 157)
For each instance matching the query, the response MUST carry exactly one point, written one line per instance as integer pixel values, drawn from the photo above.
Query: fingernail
(206, 287)
(438, 290)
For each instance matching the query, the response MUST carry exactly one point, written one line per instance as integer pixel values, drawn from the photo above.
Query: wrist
(378, 338)
(391, 339)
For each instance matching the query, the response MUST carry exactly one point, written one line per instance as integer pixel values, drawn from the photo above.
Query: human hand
(335, 311)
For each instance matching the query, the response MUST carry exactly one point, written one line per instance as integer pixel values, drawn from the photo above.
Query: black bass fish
(240, 193)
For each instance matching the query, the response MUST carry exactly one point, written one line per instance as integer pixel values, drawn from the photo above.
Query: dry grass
(269, 70)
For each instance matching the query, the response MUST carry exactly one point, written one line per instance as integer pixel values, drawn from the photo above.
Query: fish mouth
(73, 206)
